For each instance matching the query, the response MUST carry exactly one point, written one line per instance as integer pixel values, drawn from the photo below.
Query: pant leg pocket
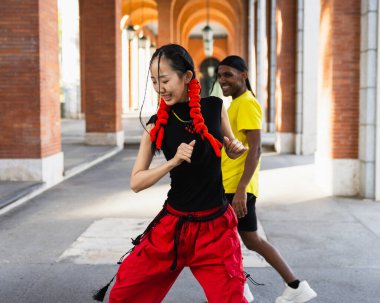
(233, 256)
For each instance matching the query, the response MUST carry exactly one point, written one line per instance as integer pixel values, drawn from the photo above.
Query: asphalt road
(334, 243)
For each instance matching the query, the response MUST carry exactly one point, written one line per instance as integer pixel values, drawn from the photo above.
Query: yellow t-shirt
(244, 114)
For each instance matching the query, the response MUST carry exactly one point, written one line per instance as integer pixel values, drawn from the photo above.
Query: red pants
(211, 250)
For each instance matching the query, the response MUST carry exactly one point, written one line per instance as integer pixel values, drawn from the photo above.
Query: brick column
(338, 97)
(30, 126)
(285, 95)
(165, 31)
(101, 70)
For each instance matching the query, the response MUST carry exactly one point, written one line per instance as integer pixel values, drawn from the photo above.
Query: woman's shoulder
(211, 102)
(152, 119)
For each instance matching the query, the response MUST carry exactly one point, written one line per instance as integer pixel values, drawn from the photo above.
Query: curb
(15, 196)
(30, 193)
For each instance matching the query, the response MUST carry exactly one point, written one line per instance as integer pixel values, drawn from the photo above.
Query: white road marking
(106, 240)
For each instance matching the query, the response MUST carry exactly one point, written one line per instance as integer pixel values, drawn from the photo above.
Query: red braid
(157, 132)
(196, 115)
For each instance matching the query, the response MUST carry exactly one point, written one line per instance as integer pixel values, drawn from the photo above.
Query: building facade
(314, 65)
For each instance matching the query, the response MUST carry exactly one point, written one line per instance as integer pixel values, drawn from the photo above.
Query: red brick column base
(30, 136)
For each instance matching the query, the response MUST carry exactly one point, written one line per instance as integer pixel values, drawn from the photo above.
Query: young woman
(197, 227)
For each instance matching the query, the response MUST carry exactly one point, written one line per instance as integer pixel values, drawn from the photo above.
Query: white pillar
(261, 54)
(367, 119)
(299, 77)
(377, 184)
(272, 62)
(134, 48)
(70, 62)
(125, 71)
(251, 42)
(308, 15)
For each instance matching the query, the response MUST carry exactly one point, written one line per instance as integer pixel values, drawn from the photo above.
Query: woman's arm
(233, 147)
(226, 126)
(142, 177)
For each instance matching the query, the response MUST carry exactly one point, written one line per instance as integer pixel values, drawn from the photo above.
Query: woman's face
(167, 83)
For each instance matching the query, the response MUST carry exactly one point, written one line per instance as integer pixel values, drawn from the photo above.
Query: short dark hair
(235, 62)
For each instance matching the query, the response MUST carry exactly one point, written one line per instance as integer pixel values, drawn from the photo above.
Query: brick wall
(286, 14)
(29, 79)
(341, 51)
(165, 32)
(346, 71)
(101, 66)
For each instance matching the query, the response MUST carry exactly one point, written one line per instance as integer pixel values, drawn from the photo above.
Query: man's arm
(239, 201)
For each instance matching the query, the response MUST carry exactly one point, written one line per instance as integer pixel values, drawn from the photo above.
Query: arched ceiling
(140, 12)
(187, 14)
(198, 18)
(198, 8)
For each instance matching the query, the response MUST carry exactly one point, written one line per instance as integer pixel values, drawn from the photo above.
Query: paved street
(334, 243)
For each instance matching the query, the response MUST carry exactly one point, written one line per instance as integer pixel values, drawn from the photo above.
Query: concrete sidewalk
(78, 157)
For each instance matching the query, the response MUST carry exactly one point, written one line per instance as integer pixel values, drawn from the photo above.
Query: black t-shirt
(195, 186)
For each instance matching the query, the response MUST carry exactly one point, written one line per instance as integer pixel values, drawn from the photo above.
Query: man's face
(231, 80)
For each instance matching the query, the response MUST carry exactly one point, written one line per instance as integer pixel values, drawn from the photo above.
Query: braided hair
(181, 62)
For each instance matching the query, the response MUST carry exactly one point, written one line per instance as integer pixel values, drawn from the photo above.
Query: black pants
(249, 222)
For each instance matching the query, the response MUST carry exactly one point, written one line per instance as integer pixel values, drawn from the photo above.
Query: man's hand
(239, 203)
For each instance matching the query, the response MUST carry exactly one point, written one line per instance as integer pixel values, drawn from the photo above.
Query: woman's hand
(234, 148)
(184, 152)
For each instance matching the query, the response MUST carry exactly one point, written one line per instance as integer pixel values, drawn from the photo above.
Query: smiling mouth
(166, 97)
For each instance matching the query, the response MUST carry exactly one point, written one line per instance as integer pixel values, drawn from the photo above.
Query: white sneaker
(302, 294)
(247, 293)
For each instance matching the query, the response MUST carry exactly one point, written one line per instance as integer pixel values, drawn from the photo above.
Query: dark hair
(179, 60)
(237, 63)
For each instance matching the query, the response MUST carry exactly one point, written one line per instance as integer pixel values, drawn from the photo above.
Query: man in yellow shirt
(240, 176)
